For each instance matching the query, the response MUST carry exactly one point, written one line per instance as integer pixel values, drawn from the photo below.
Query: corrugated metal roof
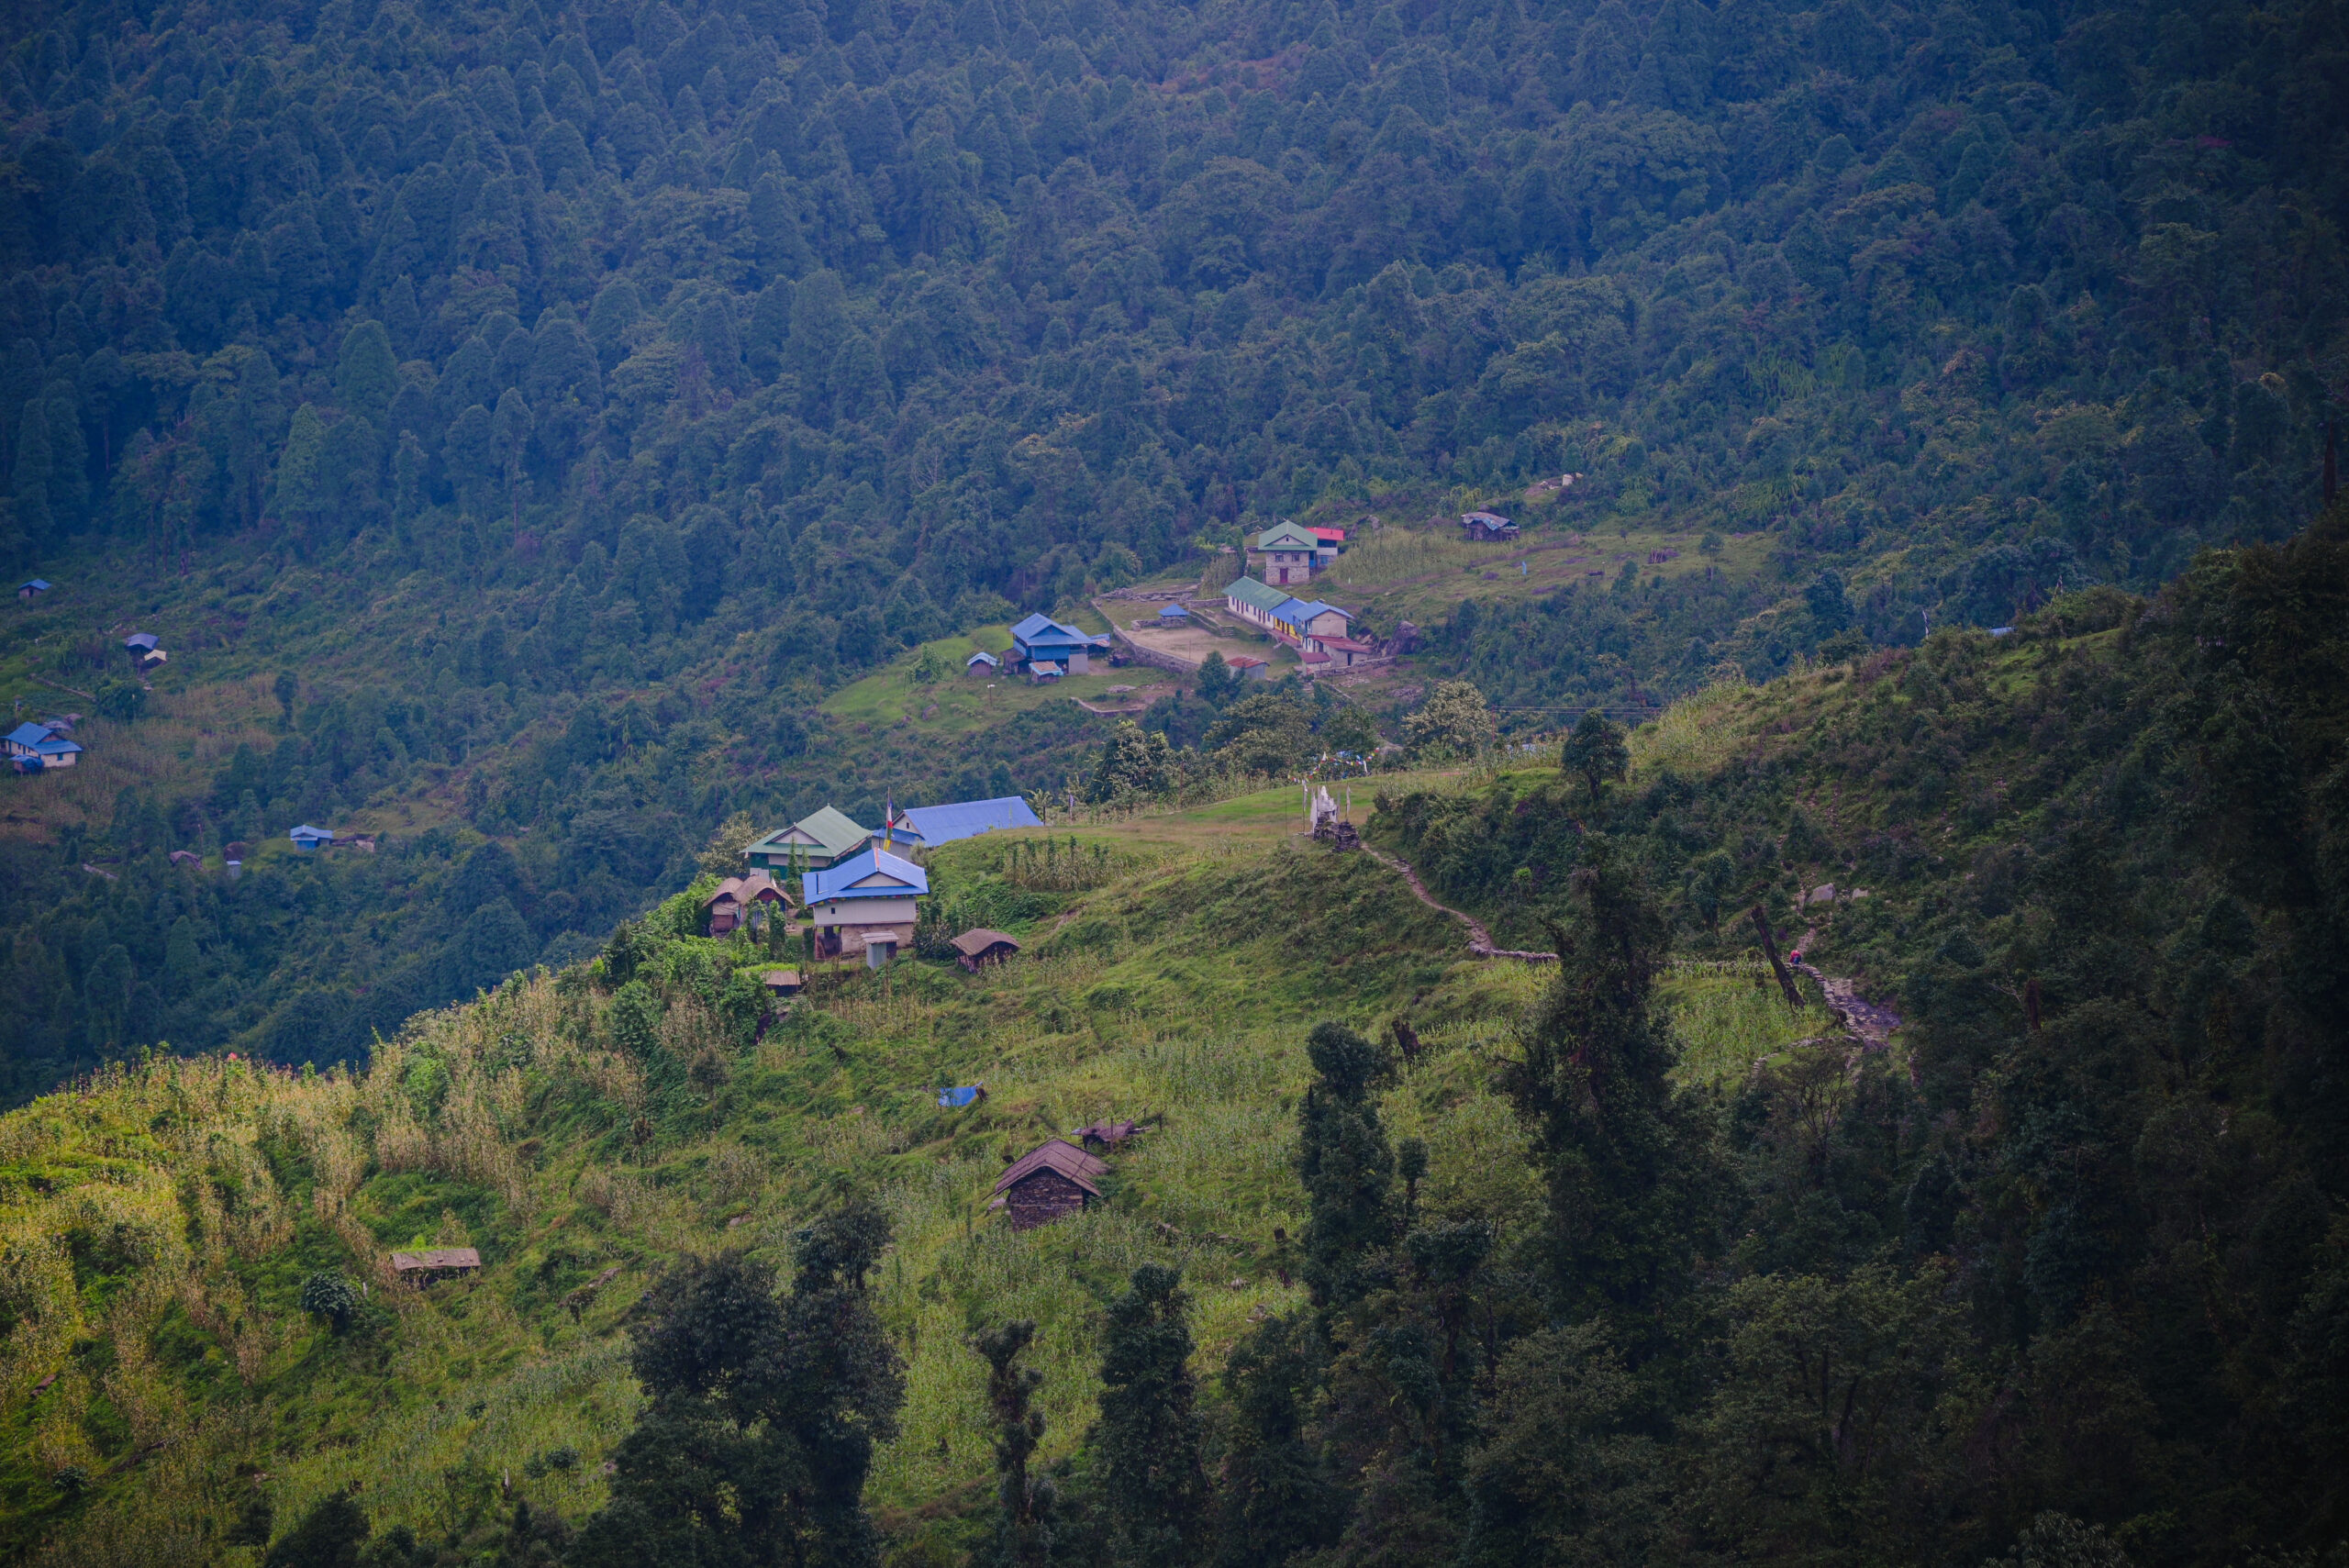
(30, 734)
(1285, 536)
(1254, 595)
(1042, 630)
(968, 818)
(833, 829)
(141, 641)
(898, 878)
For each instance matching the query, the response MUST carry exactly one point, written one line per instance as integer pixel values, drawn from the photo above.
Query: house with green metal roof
(1288, 554)
(1254, 602)
(820, 840)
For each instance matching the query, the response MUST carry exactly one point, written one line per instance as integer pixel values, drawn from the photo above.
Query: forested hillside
(1422, 1257)
(554, 405)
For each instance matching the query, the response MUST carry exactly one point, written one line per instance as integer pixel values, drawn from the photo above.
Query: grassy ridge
(156, 1229)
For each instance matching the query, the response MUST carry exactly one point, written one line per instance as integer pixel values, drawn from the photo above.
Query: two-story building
(1287, 553)
(865, 905)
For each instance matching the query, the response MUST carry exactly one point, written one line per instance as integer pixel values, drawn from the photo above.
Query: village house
(1290, 554)
(1328, 545)
(822, 839)
(979, 947)
(865, 905)
(30, 591)
(1248, 667)
(1481, 527)
(308, 838)
(36, 747)
(936, 825)
(732, 904)
(1303, 625)
(435, 1263)
(1040, 639)
(982, 663)
(1053, 1180)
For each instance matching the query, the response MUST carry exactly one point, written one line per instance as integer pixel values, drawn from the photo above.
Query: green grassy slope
(157, 1230)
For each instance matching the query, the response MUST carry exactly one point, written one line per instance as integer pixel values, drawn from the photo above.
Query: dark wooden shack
(1050, 1180)
(435, 1263)
(1107, 1134)
(975, 948)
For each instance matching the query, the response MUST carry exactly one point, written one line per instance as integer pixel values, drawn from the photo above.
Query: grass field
(157, 1231)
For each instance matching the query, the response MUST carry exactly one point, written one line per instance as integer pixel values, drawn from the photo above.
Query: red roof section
(1336, 536)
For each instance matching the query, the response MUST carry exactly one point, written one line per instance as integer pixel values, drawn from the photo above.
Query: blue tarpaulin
(955, 1100)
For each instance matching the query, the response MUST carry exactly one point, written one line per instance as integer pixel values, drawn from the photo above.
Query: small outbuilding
(1175, 614)
(308, 838)
(982, 664)
(33, 589)
(1107, 1134)
(736, 897)
(143, 643)
(977, 948)
(1051, 1181)
(1477, 527)
(1248, 667)
(1042, 671)
(783, 982)
(234, 851)
(186, 858)
(435, 1263)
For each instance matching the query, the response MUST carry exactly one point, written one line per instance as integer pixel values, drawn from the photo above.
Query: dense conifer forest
(564, 440)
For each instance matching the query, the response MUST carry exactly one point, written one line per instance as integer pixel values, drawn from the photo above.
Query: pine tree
(1274, 1497)
(1622, 1156)
(1146, 1447)
(1023, 1530)
(1347, 1166)
(762, 1412)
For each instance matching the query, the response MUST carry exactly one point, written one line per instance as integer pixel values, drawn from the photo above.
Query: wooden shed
(1107, 1133)
(435, 1263)
(1050, 1180)
(980, 947)
(781, 982)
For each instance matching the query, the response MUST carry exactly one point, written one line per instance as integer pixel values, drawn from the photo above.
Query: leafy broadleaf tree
(1595, 750)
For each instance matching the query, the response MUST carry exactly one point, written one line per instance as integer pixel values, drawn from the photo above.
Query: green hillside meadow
(160, 1220)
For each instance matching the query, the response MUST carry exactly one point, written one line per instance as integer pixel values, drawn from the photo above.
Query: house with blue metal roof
(866, 904)
(1040, 639)
(1173, 612)
(308, 838)
(968, 818)
(36, 747)
(30, 591)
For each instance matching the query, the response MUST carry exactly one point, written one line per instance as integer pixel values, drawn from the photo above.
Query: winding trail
(1865, 1022)
(1480, 941)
